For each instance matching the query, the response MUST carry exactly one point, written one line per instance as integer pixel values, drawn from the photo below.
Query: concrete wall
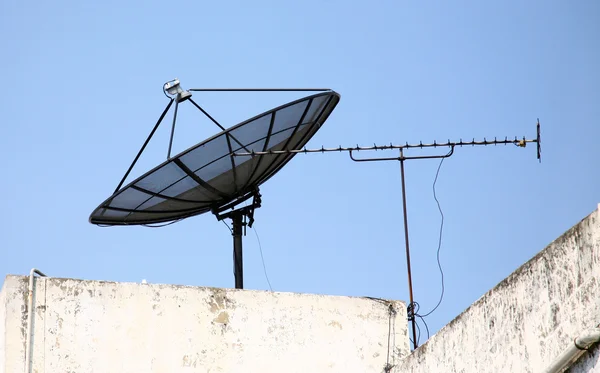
(523, 323)
(91, 326)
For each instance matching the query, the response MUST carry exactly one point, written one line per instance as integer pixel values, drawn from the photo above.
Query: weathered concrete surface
(529, 318)
(13, 300)
(92, 326)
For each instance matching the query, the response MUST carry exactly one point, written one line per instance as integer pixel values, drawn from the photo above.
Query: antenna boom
(518, 142)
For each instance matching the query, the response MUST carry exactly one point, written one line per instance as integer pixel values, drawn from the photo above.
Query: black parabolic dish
(208, 175)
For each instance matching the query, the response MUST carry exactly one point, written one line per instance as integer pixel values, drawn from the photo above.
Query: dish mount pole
(240, 218)
(238, 259)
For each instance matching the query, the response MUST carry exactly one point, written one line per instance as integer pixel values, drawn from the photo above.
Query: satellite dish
(208, 176)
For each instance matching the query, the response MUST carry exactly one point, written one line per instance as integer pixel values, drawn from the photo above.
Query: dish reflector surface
(208, 175)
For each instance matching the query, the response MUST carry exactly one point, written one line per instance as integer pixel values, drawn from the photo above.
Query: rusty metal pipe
(410, 287)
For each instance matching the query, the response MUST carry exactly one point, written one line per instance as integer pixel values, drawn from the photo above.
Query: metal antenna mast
(402, 158)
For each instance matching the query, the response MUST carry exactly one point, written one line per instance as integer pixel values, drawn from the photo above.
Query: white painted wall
(528, 319)
(92, 326)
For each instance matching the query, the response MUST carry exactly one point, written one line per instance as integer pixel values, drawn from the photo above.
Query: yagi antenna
(226, 170)
(522, 142)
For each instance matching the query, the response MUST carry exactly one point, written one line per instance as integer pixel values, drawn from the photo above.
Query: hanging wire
(164, 90)
(391, 340)
(424, 323)
(162, 225)
(262, 257)
(228, 227)
(413, 308)
(419, 330)
(391, 326)
(379, 300)
(418, 335)
(439, 242)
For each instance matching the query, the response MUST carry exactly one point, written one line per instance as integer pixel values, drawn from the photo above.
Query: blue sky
(83, 89)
